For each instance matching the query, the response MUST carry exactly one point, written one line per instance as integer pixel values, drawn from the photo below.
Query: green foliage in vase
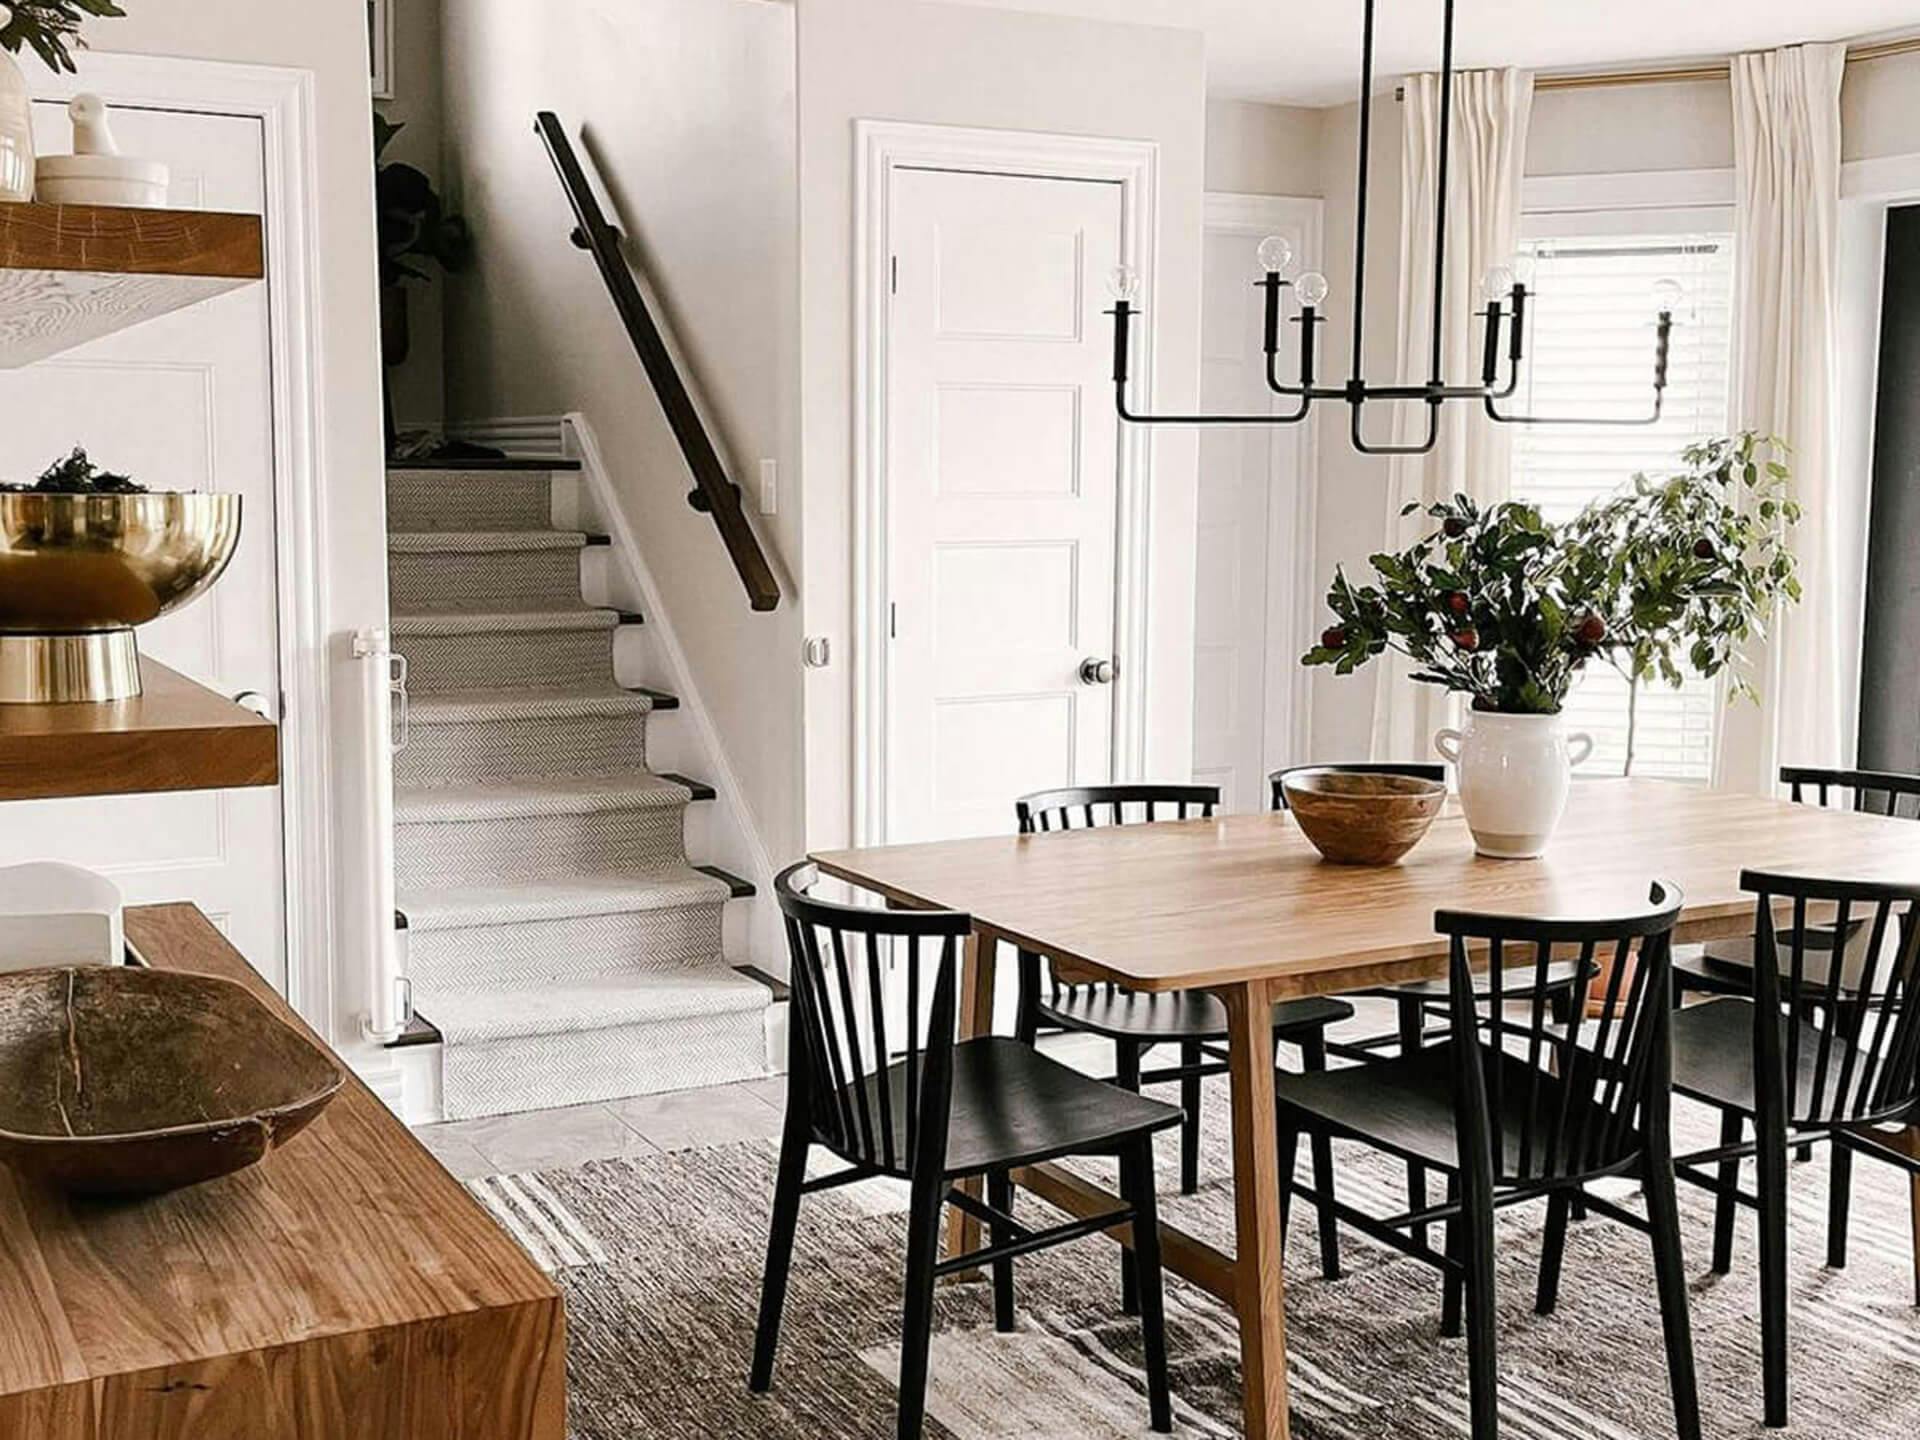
(413, 219)
(78, 475)
(50, 27)
(1671, 575)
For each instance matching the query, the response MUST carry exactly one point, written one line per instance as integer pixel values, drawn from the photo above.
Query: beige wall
(1880, 108)
(419, 398)
(1255, 149)
(685, 109)
(329, 40)
(948, 65)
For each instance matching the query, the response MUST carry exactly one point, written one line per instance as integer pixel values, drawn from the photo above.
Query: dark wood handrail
(715, 492)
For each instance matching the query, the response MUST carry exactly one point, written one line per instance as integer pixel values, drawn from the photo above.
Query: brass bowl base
(87, 668)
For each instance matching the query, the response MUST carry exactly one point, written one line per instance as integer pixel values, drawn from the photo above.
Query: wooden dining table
(1244, 907)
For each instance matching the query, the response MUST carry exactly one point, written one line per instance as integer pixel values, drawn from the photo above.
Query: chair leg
(1412, 1022)
(1670, 1271)
(1313, 1055)
(1916, 1241)
(1127, 1077)
(1455, 1288)
(1773, 1264)
(1839, 1202)
(1287, 1152)
(790, 1176)
(1137, 1185)
(1483, 1336)
(1000, 1198)
(1725, 1207)
(916, 1325)
(1191, 1059)
(1553, 1251)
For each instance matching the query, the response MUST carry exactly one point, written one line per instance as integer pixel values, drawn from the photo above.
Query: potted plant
(1689, 568)
(414, 225)
(51, 28)
(1487, 605)
(1499, 605)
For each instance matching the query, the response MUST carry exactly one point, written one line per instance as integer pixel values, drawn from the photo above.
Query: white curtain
(1491, 111)
(1786, 149)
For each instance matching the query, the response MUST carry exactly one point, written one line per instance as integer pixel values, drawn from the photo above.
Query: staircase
(562, 944)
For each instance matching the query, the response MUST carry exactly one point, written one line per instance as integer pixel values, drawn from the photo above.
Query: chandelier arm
(1291, 417)
(1425, 447)
(1659, 404)
(1309, 343)
(1438, 327)
(1360, 192)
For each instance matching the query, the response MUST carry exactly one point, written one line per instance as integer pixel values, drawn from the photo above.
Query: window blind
(1591, 353)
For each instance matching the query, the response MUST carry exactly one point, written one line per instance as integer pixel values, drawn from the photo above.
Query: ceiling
(1307, 52)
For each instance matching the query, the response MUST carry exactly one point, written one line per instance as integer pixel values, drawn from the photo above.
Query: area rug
(660, 1260)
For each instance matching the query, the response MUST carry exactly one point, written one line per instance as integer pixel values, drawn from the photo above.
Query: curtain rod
(1686, 74)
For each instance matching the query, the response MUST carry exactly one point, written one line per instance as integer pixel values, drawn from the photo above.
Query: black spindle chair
(1514, 1107)
(1136, 1022)
(1813, 1058)
(909, 1103)
(1416, 1002)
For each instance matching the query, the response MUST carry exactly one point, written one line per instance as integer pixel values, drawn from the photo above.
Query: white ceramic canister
(1515, 772)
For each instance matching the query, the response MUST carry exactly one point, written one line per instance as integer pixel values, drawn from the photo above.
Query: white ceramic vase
(16, 126)
(1515, 772)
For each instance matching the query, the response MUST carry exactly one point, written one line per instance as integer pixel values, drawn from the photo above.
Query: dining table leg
(1259, 1289)
(976, 1018)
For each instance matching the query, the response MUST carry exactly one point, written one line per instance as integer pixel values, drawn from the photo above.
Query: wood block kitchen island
(347, 1288)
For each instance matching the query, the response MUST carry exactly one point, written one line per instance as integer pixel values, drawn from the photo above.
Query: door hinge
(893, 621)
(893, 275)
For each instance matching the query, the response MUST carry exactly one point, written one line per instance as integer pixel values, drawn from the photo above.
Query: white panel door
(183, 402)
(1001, 492)
(1245, 653)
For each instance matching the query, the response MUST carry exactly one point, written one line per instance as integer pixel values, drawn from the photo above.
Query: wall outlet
(769, 487)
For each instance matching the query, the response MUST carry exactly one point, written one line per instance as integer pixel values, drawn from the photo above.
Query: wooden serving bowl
(1358, 819)
(119, 1080)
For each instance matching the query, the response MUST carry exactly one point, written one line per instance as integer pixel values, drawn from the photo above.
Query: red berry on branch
(1334, 638)
(1591, 630)
(1467, 638)
(1454, 527)
(1458, 602)
(1703, 549)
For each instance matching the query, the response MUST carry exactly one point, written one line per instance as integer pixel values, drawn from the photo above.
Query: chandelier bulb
(1123, 283)
(1498, 283)
(1311, 288)
(1667, 295)
(1275, 255)
(1524, 269)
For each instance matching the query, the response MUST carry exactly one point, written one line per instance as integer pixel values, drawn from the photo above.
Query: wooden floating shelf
(74, 273)
(179, 735)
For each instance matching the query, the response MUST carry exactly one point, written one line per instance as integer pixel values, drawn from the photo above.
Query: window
(1591, 353)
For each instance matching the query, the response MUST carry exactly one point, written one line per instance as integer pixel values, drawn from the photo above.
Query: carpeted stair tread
(498, 1012)
(528, 620)
(465, 542)
(518, 799)
(523, 901)
(460, 707)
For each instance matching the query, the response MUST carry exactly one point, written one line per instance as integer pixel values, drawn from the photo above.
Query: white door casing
(183, 402)
(888, 154)
(1254, 569)
(1001, 483)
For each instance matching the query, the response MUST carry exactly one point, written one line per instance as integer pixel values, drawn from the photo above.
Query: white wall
(948, 65)
(1255, 149)
(686, 108)
(331, 41)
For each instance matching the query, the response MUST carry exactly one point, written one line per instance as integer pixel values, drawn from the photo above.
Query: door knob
(1097, 672)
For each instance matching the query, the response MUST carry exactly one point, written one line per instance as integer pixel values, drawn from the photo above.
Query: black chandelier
(1505, 289)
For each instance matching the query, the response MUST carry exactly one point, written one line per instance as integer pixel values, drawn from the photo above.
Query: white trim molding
(1883, 177)
(1628, 190)
(881, 148)
(1291, 529)
(282, 100)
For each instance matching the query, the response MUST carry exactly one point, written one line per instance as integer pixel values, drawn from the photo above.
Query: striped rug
(660, 1261)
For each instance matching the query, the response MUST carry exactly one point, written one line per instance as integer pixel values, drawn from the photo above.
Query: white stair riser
(534, 846)
(484, 579)
(507, 659)
(651, 942)
(468, 500)
(473, 751)
(505, 1076)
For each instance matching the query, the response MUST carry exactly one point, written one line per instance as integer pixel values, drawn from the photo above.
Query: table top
(1207, 903)
(352, 1227)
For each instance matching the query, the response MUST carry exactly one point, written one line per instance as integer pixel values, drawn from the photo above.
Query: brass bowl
(119, 1080)
(1360, 819)
(78, 572)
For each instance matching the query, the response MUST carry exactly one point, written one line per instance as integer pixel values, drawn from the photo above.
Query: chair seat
(1713, 1059)
(1014, 1106)
(1405, 1106)
(1725, 967)
(1175, 1014)
(1561, 975)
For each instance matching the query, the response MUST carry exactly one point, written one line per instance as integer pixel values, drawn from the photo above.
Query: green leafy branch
(51, 27)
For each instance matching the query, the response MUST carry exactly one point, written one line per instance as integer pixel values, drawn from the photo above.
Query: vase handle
(1579, 747)
(1447, 742)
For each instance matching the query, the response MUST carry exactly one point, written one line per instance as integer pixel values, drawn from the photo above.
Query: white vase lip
(1515, 715)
